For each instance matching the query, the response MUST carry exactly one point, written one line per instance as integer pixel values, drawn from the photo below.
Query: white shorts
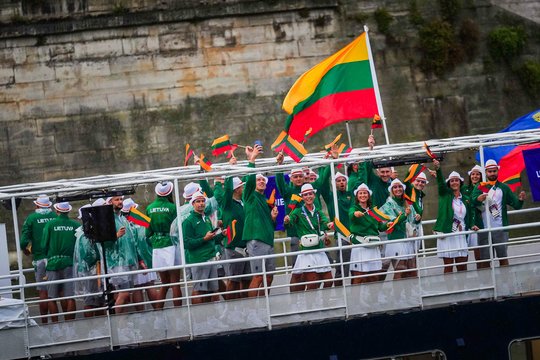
(365, 259)
(141, 279)
(165, 257)
(314, 262)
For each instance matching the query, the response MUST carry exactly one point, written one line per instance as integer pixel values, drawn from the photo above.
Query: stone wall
(100, 87)
(127, 91)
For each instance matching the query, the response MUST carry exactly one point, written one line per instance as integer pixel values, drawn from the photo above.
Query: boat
(477, 314)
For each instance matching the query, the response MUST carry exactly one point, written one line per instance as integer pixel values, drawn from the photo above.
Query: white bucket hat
(338, 174)
(422, 176)
(237, 182)
(307, 188)
(190, 189)
(164, 189)
(362, 187)
(311, 172)
(490, 164)
(259, 176)
(196, 196)
(394, 182)
(63, 207)
(454, 174)
(476, 168)
(43, 201)
(128, 204)
(83, 207)
(99, 202)
(296, 171)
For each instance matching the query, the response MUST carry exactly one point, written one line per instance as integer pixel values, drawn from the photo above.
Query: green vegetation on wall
(529, 75)
(440, 50)
(383, 19)
(505, 43)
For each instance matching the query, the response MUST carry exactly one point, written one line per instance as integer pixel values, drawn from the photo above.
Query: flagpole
(348, 133)
(376, 86)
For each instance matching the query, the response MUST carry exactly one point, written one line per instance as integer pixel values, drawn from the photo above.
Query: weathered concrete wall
(126, 92)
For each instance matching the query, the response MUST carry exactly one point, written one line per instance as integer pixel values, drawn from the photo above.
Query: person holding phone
(200, 242)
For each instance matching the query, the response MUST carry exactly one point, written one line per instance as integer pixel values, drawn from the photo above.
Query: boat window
(525, 349)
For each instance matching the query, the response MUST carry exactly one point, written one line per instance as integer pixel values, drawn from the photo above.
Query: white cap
(237, 182)
(306, 170)
(454, 174)
(490, 164)
(63, 207)
(394, 182)
(362, 187)
(476, 168)
(338, 174)
(108, 200)
(190, 189)
(307, 188)
(43, 201)
(311, 172)
(128, 204)
(297, 171)
(82, 207)
(99, 202)
(259, 176)
(164, 189)
(197, 195)
(422, 176)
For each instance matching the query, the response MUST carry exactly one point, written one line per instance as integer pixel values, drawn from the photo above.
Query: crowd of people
(235, 220)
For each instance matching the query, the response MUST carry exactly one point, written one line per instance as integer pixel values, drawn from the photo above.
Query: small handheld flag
(231, 232)
(137, 217)
(204, 164)
(414, 171)
(272, 199)
(429, 152)
(289, 146)
(394, 223)
(306, 135)
(376, 123)
(338, 225)
(378, 215)
(279, 143)
(221, 144)
(328, 146)
(188, 154)
(295, 200)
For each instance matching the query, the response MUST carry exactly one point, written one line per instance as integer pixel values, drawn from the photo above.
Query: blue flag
(532, 164)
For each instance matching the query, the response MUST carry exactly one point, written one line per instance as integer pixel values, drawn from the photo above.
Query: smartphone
(258, 142)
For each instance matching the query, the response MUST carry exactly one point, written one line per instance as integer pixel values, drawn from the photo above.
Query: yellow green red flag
(340, 88)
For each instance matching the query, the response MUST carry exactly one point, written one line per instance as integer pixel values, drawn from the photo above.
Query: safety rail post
(266, 293)
(183, 257)
(340, 245)
(488, 226)
(22, 279)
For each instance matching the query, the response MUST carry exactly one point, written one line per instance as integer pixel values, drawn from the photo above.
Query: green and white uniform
(405, 250)
(366, 258)
(162, 213)
(308, 222)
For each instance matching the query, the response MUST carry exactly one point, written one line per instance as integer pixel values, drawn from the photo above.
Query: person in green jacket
(310, 224)
(475, 177)
(259, 224)
(494, 197)
(455, 214)
(229, 196)
(31, 236)
(59, 245)
(400, 253)
(162, 213)
(365, 227)
(200, 241)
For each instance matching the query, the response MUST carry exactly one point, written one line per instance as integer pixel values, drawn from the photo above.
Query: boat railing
(277, 305)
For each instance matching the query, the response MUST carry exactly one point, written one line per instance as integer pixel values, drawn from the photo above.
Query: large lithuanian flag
(338, 89)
